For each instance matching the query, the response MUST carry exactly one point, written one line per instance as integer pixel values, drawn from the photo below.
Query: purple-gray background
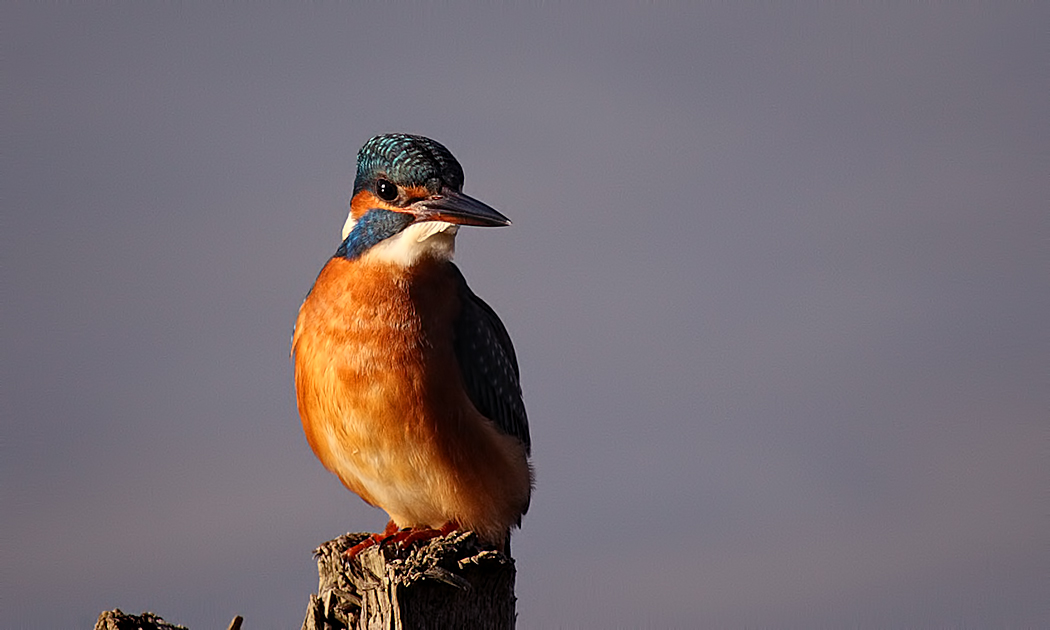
(778, 280)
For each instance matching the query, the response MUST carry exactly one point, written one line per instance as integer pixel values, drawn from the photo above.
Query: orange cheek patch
(414, 193)
(365, 201)
(362, 203)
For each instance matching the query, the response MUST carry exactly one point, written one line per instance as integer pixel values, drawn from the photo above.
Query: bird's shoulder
(488, 363)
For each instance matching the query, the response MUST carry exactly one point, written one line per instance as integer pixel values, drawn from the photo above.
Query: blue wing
(488, 364)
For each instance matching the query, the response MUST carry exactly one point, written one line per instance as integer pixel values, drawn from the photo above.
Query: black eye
(386, 190)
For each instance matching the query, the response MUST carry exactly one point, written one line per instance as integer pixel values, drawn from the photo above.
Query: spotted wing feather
(488, 364)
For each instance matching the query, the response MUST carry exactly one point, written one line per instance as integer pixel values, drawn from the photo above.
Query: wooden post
(447, 582)
(117, 619)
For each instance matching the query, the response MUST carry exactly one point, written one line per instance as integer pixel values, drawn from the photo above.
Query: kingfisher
(406, 381)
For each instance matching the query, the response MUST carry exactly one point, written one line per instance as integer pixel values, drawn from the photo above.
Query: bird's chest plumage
(377, 380)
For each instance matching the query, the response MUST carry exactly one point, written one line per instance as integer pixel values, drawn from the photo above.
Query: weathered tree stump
(447, 582)
(117, 619)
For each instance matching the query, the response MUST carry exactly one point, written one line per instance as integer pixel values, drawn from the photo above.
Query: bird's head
(407, 201)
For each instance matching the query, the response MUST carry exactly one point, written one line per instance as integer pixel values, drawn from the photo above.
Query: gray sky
(778, 280)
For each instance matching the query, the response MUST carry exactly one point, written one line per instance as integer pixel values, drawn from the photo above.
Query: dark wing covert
(488, 364)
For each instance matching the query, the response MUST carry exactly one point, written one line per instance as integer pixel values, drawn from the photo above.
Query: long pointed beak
(458, 208)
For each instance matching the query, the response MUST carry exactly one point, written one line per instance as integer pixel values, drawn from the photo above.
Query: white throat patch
(433, 238)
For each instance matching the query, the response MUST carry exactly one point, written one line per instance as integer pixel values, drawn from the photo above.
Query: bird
(407, 383)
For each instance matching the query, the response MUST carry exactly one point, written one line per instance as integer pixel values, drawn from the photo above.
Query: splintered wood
(117, 619)
(446, 582)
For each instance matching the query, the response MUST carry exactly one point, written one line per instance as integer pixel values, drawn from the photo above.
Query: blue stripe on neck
(372, 228)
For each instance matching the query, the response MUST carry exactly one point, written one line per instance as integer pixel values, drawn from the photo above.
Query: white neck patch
(433, 238)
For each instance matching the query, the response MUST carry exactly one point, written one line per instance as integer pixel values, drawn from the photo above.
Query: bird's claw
(403, 538)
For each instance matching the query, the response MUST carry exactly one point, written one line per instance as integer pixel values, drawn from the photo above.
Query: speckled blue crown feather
(407, 161)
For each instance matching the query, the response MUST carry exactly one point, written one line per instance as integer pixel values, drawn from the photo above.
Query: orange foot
(374, 539)
(410, 536)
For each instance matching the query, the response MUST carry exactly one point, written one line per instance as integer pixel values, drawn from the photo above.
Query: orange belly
(383, 404)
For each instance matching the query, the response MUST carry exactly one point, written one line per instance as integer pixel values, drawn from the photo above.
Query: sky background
(778, 281)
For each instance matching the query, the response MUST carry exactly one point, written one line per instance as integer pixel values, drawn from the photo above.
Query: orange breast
(383, 405)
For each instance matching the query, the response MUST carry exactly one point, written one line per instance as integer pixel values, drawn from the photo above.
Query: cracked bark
(447, 582)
